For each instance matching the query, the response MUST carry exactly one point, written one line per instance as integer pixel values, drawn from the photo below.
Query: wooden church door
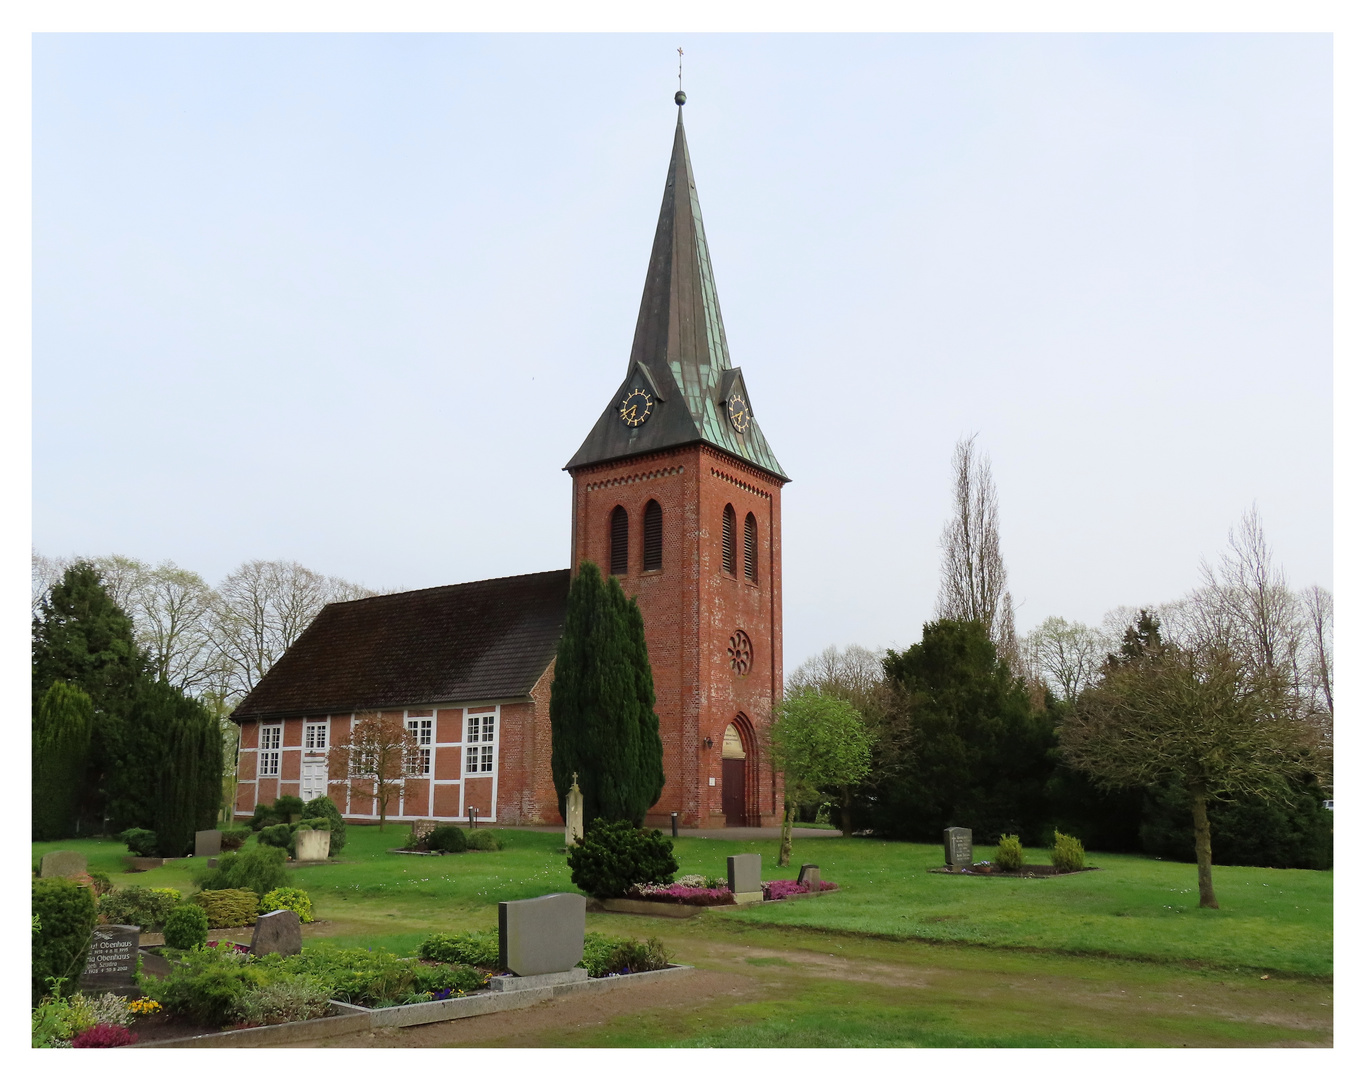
(733, 778)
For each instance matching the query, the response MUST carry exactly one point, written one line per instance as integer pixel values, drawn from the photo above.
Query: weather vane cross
(680, 97)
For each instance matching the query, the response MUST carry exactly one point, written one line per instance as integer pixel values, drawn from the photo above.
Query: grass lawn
(1134, 907)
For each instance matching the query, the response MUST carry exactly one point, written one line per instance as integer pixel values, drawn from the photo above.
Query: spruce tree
(62, 721)
(602, 721)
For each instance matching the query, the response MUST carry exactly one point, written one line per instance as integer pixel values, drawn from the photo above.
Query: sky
(354, 300)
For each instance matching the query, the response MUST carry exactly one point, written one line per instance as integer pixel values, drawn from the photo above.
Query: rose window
(740, 651)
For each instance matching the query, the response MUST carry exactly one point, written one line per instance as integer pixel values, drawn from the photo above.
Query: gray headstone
(208, 843)
(573, 814)
(536, 937)
(422, 827)
(312, 845)
(113, 959)
(742, 873)
(278, 932)
(957, 848)
(62, 864)
(810, 876)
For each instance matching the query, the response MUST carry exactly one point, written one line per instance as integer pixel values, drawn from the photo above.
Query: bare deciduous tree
(1318, 610)
(1066, 656)
(261, 609)
(379, 758)
(47, 572)
(972, 580)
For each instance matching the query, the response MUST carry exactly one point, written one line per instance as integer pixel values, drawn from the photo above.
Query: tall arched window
(751, 548)
(654, 536)
(728, 540)
(620, 532)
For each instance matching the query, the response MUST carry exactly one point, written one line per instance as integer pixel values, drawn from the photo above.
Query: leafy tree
(602, 720)
(62, 721)
(380, 758)
(1196, 717)
(165, 764)
(962, 745)
(820, 744)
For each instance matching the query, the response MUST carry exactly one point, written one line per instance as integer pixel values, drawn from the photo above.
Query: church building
(678, 494)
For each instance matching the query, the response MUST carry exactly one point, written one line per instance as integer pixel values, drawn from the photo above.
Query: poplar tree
(602, 720)
(62, 720)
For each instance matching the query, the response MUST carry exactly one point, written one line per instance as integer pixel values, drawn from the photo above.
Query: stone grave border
(1030, 873)
(669, 910)
(357, 1018)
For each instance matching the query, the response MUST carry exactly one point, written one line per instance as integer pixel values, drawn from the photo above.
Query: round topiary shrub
(613, 856)
(1009, 854)
(65, 915)
(140, 841)
(483, 840)
(235, 838)
(295, 900)
(187, 927)
(323, 807)
(449, 838)
(287, 806)
(1068, 853)
(277, 836)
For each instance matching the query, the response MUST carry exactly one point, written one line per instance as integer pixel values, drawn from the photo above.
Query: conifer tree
(62, 720)
(602, 720)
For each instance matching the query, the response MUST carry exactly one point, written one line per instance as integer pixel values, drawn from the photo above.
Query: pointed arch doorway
(734, 800)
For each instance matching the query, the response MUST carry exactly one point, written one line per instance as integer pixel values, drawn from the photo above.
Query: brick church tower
(677, 493)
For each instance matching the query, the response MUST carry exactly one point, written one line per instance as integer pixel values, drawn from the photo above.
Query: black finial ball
(680, 97)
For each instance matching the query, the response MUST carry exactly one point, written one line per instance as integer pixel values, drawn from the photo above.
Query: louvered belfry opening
(751, 548)
(654, 536)
(620, 533)
(728, 540)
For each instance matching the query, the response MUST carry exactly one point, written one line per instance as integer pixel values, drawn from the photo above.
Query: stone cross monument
(573, 814)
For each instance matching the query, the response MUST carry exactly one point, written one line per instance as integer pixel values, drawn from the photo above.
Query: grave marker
(278, 932)
(957, 848)
(742, 874)
(62, 864)
(810, 876)
(208, 843)
(312, 845)
(112, 961)
(541, 936)
(573, 814)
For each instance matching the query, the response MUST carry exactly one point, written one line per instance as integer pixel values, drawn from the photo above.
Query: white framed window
(420, 728)
(269, 754)
(315, 736)
(480, 730)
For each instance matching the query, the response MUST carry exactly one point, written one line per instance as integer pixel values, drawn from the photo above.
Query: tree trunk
(847, 812)
(1203, 856)
(785, 844)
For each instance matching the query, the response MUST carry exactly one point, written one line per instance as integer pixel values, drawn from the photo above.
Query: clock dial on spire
(636, 407)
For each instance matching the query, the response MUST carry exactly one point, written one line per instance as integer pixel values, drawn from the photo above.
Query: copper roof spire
(679, 353)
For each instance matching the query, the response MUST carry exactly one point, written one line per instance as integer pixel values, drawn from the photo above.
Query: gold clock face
(737, 408)
(636, 407)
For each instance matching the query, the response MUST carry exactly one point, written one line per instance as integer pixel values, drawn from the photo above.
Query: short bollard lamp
(673, 820)
(472, 811)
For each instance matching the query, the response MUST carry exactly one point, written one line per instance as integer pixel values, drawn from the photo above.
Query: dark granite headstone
(810, 876)
(536, 937)
(278, 932)
(112, 961)
(208, 843)
(742, 874)
(957, 848)
(62, 864)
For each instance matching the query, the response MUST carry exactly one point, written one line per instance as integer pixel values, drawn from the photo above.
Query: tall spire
(679, 354)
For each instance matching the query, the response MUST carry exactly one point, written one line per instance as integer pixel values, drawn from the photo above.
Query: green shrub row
(604, 955)
(477, 948)
(377, 979)
(135, 905)
(257, 868)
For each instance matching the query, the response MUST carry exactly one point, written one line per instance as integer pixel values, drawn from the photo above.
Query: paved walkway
(771, 832)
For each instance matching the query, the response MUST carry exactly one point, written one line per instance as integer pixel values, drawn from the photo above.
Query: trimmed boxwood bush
(1009, 854)
(235, 838)
(65, 914)
(138, 906)
(323, 807)
(187, 927)
(141, 842)
(605, 955)
(613, 856)
(286, 806)
(275, 835)
(449, 838)
(478, 948)
(295, 900)
(228, 907)
(257, 868)
(262, 817)
(1067, 852)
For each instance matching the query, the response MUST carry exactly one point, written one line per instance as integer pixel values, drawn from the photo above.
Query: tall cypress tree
(62, 721)
(81, 637)
(602, 721)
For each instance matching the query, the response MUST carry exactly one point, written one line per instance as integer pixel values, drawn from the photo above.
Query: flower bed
(699, 896)
(781, 890)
